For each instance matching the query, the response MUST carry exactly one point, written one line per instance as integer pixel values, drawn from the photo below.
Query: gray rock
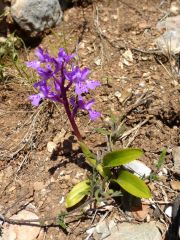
(36, 15)
(128, 231)
(176, 159)
(169, 42)
(102, 231)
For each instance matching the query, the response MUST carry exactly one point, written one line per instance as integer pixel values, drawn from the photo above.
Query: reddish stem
(67, 108)
(71, 119)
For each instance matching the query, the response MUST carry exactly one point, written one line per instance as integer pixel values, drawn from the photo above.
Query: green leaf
(61, 220)
(88, 154)
(91, 158)
(133, 184)
(77, 193)
(161, 159)
(120, 157)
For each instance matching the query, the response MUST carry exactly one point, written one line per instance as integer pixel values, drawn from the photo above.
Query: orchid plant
(57, 76)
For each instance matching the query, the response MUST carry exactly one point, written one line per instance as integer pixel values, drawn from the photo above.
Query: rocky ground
(116, 40)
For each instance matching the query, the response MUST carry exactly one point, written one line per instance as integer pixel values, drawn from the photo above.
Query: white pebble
(168, 211)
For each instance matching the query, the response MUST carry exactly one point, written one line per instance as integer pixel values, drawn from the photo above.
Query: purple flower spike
(57, 75)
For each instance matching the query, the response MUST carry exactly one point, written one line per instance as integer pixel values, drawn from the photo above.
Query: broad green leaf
(77, 193)
(91, 158)
(132, 184)
(120, 157)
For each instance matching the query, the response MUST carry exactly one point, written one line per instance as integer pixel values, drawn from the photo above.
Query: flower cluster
(57, 75)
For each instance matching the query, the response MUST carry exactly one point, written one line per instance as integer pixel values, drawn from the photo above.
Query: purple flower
(57, 75)
(36, 98)
(81, 104)
(43, 57)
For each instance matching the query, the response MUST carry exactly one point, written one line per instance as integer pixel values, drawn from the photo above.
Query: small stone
(75, 146)
(176, 158)
(61, 200)
(175, 185)
(175, 7)
(165, 171)
(128, 55)
(21, 232)
(105, 19)
(142, 84)
(51, 147)
(144, 58)
(79, 174)
(117, 94)
(146, 75)
(139, 168)
(98, 61)
(168, 211)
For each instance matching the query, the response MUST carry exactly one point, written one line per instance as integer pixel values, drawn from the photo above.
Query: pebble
(176, 159)
(51, 147)
(142, 84)
(146, 75)
(165, 171)
(139, 168)
(117, 94)
(175, 7)
(61, 200)
(168, 211)
(175, 185)
(98, 62)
